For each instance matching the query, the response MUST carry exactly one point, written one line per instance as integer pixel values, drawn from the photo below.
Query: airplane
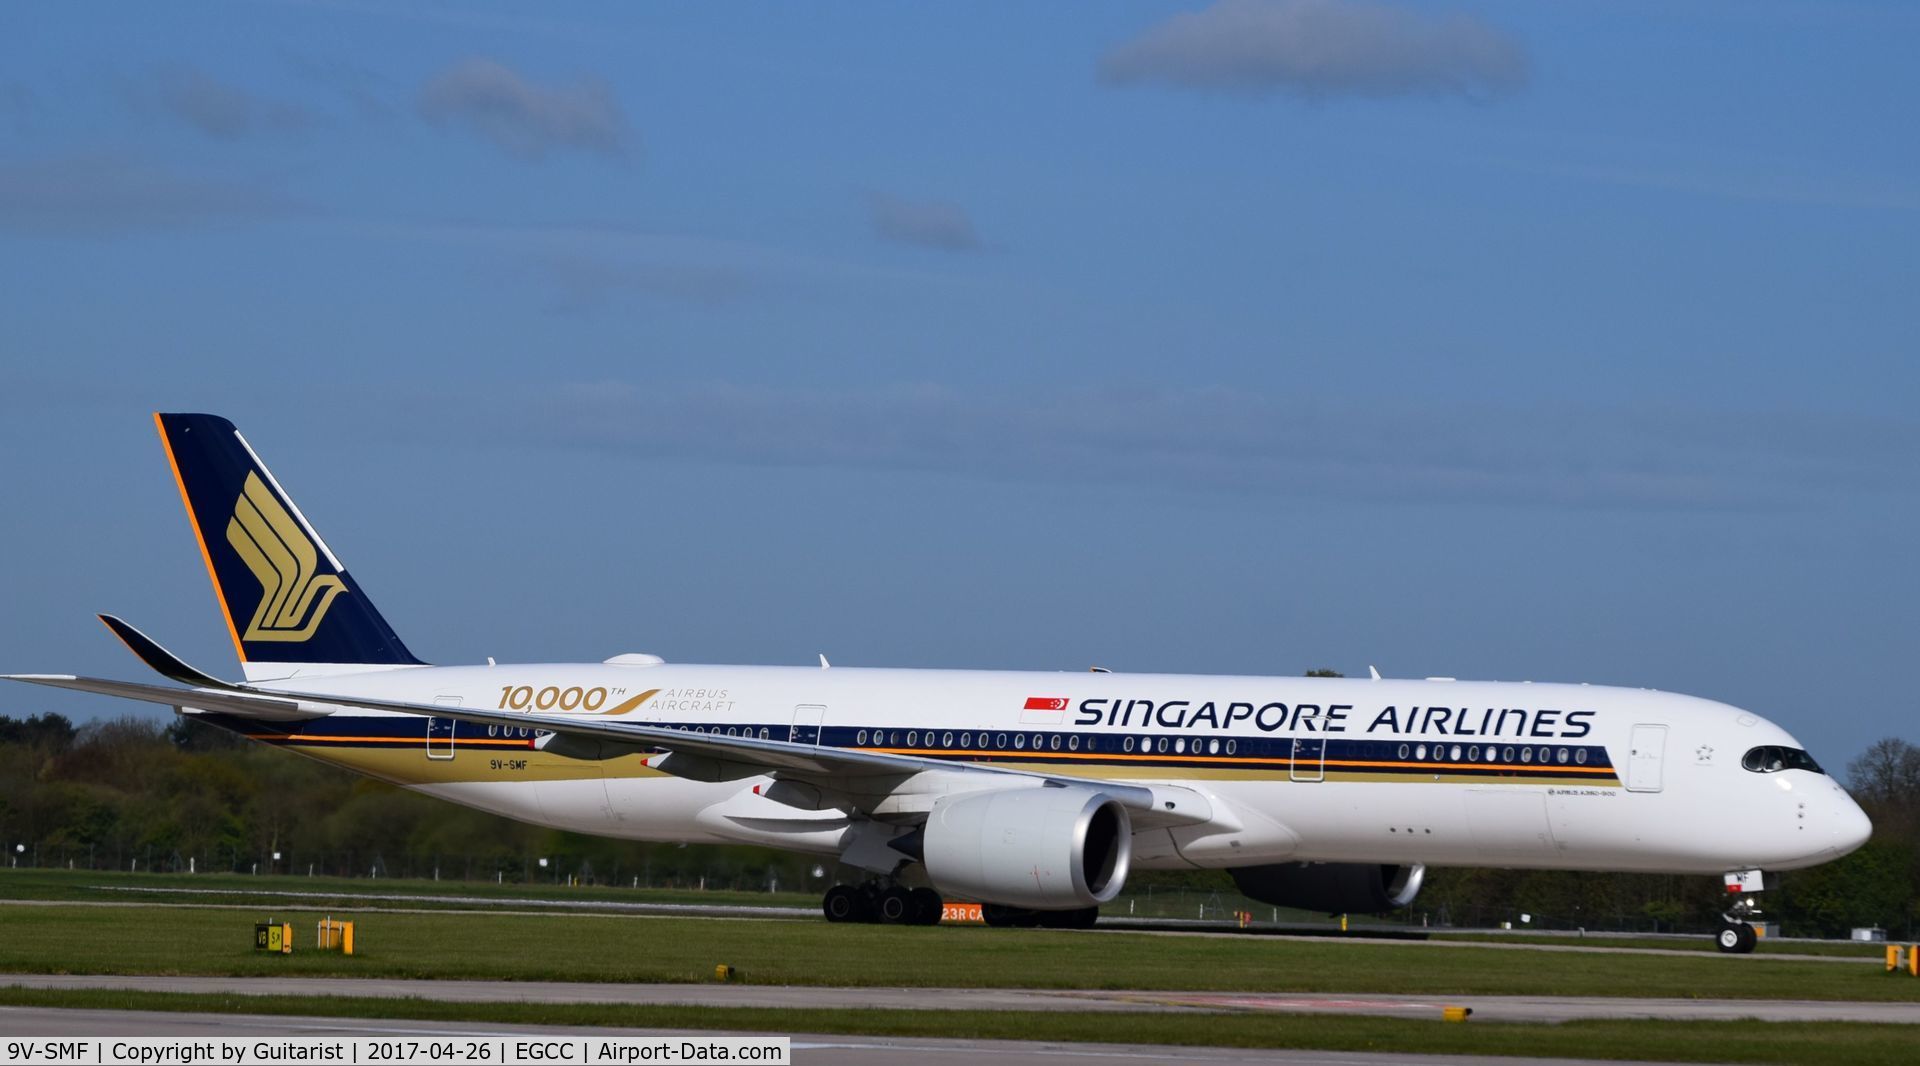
(1032, 793)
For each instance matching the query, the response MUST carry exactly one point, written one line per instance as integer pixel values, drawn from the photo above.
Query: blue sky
(1565, 341)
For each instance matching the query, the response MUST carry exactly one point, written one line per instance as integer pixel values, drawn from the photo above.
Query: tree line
(136, 794)
(142, 795)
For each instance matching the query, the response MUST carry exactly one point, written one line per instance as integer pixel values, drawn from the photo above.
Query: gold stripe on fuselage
(410, 765)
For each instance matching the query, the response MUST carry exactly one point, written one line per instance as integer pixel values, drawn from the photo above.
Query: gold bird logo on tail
(293, 598)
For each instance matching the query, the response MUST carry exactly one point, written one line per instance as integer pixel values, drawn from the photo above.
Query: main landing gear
(882, 902)
(1736, 935)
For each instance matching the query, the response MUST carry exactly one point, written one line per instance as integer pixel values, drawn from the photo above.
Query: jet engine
(1332, 887)
(1046, 848)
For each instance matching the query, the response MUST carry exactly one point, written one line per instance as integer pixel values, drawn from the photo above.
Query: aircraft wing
(699, 756)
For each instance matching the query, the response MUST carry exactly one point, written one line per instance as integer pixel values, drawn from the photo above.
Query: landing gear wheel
(844, 903)
(1736, 938)
(1728, 939)
(926, 906)
(895, 906)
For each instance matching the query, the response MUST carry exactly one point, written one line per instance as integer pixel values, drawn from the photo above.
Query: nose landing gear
(1736, 935)
(884, 902)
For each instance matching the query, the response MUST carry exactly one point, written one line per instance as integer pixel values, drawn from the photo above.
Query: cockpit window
(1772, 760)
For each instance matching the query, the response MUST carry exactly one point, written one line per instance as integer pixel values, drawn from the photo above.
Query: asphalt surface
(1486, 1008)
(808, 1049)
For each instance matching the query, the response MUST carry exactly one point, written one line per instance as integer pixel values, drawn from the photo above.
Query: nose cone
(1851, 826)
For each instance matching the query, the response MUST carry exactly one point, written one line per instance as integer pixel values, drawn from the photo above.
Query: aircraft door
(1644, 759)
(440, 730)
(1309, 759)
(806, 723)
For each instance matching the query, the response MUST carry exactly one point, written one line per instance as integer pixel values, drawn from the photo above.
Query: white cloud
(105, 194)
(523, 118)
(928, 223)
(216, 108)
(1321, 48)
(1222, 439)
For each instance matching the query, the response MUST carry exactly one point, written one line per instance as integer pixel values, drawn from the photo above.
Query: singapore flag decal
(1045, 703)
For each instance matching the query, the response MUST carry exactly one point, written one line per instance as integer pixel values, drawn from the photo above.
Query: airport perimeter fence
(528, 869)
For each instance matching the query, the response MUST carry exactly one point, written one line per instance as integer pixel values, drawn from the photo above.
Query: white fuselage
(1437, 772)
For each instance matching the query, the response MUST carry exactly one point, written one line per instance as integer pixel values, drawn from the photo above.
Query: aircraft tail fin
(290, 606)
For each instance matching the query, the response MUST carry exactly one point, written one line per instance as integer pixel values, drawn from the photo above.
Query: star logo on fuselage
(1703, 754)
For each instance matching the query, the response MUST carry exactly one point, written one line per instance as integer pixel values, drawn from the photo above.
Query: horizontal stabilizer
(159, 659)
(222, 700)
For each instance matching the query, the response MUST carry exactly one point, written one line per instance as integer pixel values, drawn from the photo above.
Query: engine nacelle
(1040, 848)
(1333, 887)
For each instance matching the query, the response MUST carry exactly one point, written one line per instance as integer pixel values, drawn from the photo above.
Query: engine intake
(1333, 887)
(1042, 848)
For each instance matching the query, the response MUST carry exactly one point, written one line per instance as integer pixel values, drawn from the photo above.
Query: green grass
(1693, 1041)
(42, 884)
(64, 938)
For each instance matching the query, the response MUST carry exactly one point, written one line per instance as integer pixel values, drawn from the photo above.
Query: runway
(808, 1049)
(1485, 1008)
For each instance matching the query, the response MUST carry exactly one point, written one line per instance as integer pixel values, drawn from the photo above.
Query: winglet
(162, 661)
